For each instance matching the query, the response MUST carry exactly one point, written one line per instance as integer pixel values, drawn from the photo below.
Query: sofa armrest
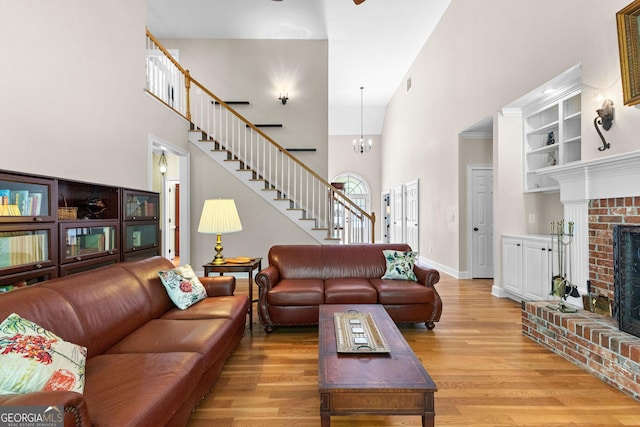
(75, 407)
(219, 285)
(429, 277)
(267, 278)
(426, 275)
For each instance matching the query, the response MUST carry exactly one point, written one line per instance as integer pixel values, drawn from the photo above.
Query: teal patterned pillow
(400, 265)
(35, 359)
(183, 286)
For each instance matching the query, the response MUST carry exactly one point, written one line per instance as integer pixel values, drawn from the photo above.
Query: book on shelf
(9, 210)
(5, 197)
(20, 249)
(35, 204)
(20, 198)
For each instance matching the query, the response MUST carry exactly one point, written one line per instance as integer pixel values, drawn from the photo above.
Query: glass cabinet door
(23, 198)
(25, 248)
(141, 235)
(140, 205)
(79, 242)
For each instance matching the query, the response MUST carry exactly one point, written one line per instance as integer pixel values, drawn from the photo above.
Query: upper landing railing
(316, 198)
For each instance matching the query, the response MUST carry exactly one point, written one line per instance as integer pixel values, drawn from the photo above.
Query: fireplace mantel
(609, 177)
(613, 176)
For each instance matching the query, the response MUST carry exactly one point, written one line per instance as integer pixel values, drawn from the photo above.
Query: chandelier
(360, 146)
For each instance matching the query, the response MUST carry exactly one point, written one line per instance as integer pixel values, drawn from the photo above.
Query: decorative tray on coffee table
(357, 332)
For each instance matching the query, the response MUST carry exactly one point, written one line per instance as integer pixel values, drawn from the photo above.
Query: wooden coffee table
(393, 383)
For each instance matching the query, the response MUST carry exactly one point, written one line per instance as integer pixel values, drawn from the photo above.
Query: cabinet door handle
(518, 244)
(475, 228)
(543, 249)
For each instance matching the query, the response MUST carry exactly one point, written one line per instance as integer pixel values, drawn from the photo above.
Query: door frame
(407, 186)
(470, 169)
(184, 160)
(397, 191)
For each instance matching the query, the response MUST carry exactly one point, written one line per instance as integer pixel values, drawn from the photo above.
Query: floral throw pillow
(183, 286)
(400, 265)
(34, 359)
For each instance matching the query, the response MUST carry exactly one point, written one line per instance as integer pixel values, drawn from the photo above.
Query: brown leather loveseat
(148, 363)
(301, 277)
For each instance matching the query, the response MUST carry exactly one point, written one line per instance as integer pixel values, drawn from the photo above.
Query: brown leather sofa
(149, 363)
(301, 277)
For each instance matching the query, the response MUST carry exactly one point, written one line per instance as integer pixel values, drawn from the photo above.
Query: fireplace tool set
(561, 285)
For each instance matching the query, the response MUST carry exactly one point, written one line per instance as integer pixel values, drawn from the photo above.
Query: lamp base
(219, 259)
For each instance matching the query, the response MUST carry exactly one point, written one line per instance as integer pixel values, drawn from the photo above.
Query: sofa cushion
(227, 307)
(399, 265)
(146, 271)
(183, 286)
(56, 315)
(197, 336)
(402, 292)
(35, 359)
(139, 390)
(297, 292)
(349, 291)
(297, 261)
(110, 304)
(331, 261)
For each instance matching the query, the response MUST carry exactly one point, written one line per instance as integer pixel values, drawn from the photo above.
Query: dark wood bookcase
(51, 227)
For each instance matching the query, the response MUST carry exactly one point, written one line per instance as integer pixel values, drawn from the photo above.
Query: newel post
(373, 227)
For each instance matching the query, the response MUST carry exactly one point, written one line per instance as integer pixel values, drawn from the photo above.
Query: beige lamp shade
(219, 216)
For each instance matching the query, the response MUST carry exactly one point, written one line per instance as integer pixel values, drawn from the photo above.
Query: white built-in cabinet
(527, 267)
(552, 137)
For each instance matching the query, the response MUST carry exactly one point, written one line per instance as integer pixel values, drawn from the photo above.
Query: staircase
(261, 187)
(254, 158)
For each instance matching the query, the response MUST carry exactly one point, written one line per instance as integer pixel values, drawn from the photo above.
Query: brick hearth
(593, 341)
(597, 194)
(589, 340)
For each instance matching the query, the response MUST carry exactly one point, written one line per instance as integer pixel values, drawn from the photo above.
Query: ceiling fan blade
(358, 1)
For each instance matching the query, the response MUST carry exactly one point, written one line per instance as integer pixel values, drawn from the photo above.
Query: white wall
(74, 106)
(73, 103)
(482, 56)
(257, 71)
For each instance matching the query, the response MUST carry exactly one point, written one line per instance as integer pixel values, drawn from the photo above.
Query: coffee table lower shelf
(375, 384)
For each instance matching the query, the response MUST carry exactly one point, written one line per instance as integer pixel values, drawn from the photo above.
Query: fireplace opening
(626, 258)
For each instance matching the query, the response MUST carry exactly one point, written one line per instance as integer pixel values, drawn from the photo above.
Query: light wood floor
(487, 374)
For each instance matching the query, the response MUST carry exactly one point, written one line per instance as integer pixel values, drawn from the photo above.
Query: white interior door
(385, 208)
(397, 215)
(482, 223)
(412, 214)
(170, 223)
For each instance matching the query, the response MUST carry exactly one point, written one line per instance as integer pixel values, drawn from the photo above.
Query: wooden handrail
(189, 80)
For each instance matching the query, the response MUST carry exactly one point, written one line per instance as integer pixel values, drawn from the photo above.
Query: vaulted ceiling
(372, 44)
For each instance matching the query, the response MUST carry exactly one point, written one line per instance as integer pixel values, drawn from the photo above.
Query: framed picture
(628, 20)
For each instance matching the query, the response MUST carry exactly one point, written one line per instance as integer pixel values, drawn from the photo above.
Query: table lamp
(219, 216)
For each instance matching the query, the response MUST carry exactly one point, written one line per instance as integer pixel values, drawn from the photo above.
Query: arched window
(356, 188)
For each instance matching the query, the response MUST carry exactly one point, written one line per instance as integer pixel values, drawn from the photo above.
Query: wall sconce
(284, 98)
(162, 163)
(604, 119)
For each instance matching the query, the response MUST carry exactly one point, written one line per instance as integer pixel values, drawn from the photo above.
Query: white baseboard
(441, 268)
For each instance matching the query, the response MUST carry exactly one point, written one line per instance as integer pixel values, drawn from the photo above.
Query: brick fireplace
(603, 215)
(597, 195)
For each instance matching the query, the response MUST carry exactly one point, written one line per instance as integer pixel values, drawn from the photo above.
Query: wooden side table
(246, 267)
